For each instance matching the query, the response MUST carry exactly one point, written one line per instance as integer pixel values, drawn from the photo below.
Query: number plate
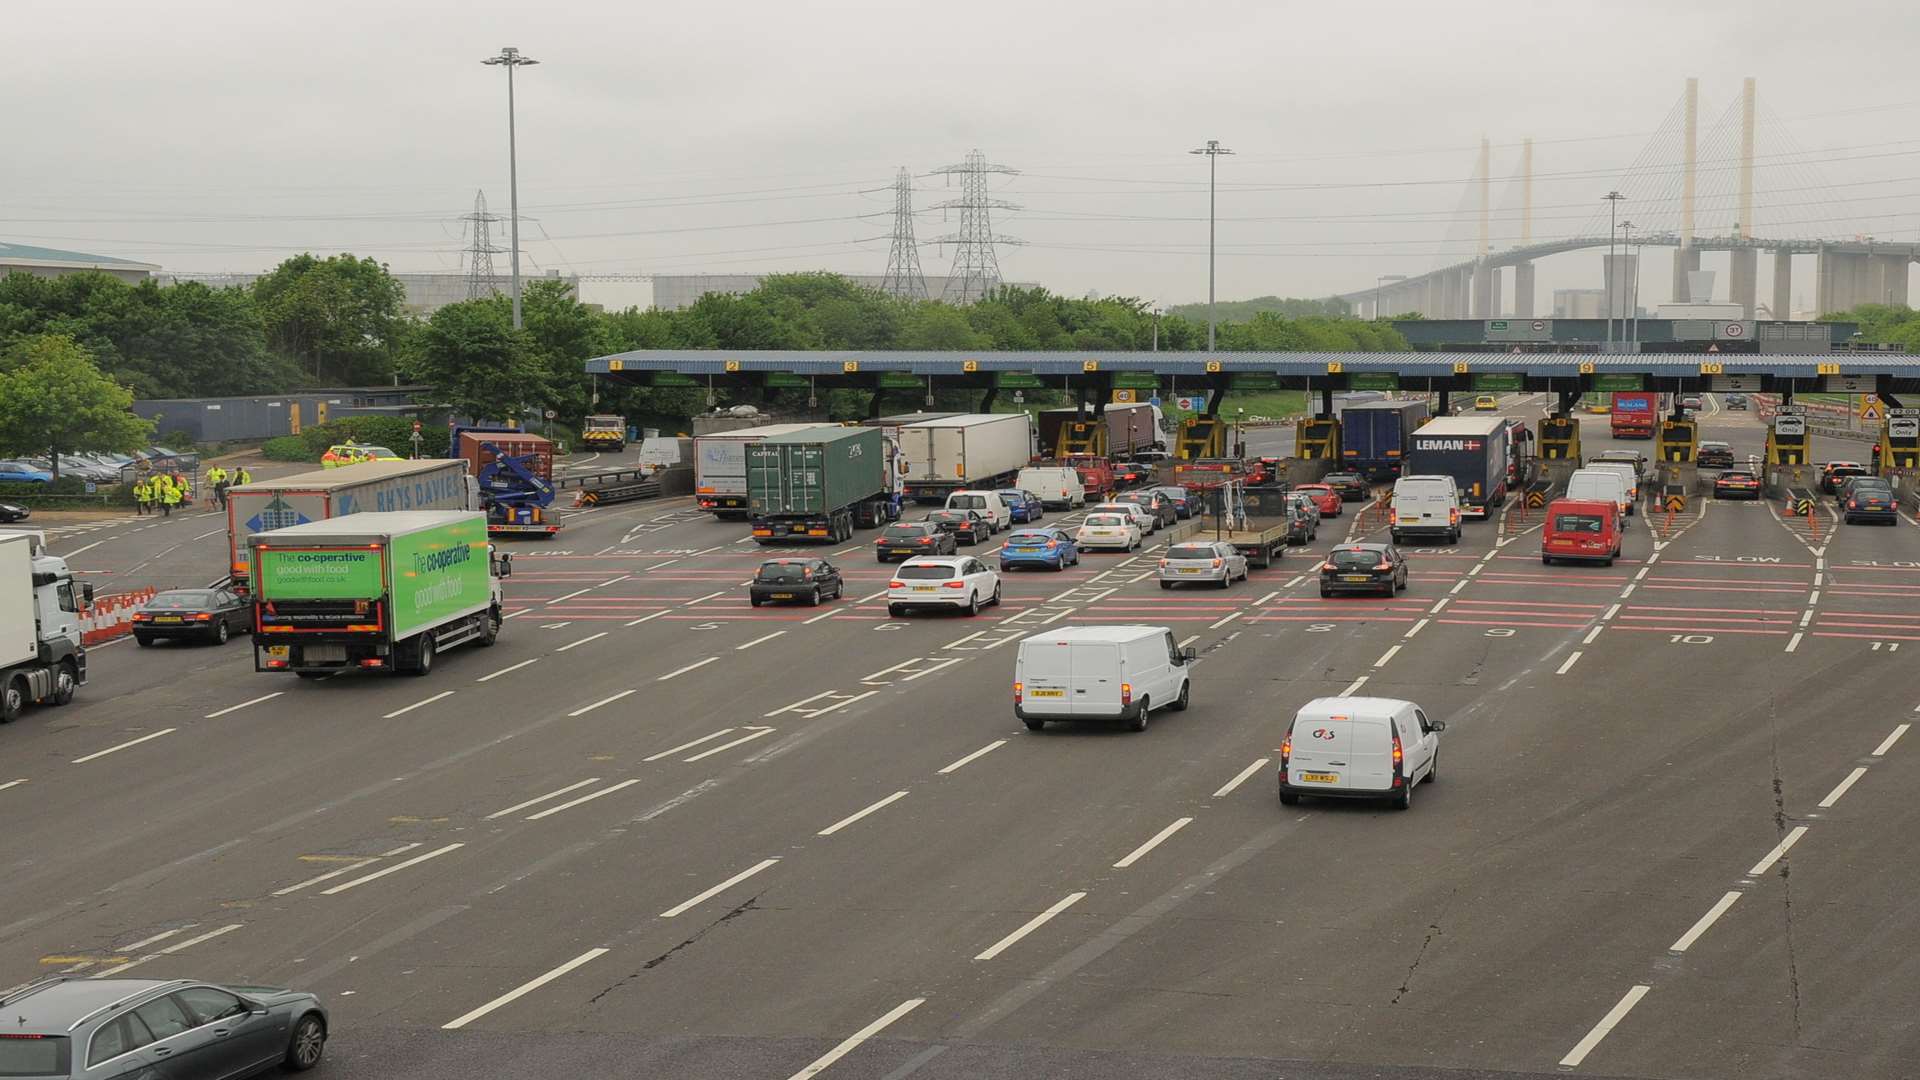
(782, 596)
(1356, 577)
(278, 652)
(899, 551)
(167, 619)
(1186, 571)
(1320, 777)
(926, 588)
(1049, 693)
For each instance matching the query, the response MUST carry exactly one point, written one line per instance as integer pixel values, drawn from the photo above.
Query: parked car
(967, 526)
(210, 615)
(1378, 568)
(958, 581)
(1109, 529)
(1202, 562)
(1359, 747)
(1022, 506)
(1328, 500)
(1045, 546)
(70, 1027)
(1736, 484)
(905, 539)
(19, 472)
(1162, 508)
(12, 512)
(1351, 485)
(795, 580)
(1713, 455)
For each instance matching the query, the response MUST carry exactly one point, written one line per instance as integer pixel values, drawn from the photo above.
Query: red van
(1581, 529)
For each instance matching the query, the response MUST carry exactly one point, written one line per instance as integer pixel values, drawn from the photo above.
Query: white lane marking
(1779, 849)
(1572, 659)
(1386, 656)
(1267, 598)
(1642, 573)
(1841, 788)
(1793, 642)
(689, 745)
(168, 951)
(858, 814)
(687, 905)
(1628, 591)
(585, 709)
(1805, 618)
(505, 670)
(1591, 635)
(1416, 628)
(853, 1041)
(730, 744)
(89, 547)
(570, 595)
(242, 705)
(1884, 746)
(123, 746)
(516, 614)
(1294, 580)
(819, 617)
(12, 783)
(1188, 640)
(1240, 778)
(976, 755)
(582, 641)
(1138, 853)
(328, 876)
(841, 704)
(1352, 686)
(613, 581)
(949, 662)
(202, 536)
(758, 640)
(159, 937)
(1706, 921)
(587, 798)
(648, 618)
(1607, 1023)
(890, 670)
(418, 704)
(1457, 586)
(802, 703)
(873, 596)
(1032, 924)
(394, 869)
(1217, 624)
(964, 640)
(704, 599)
(1438, 604)
(690, 667)
(1474, 570)
(851, 550)
(522, 990)
(538, 799)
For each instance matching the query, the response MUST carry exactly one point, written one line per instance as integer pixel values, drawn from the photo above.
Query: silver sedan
(1197, 562)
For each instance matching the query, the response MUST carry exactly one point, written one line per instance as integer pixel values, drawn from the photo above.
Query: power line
(976, 266)
(480, 277)
(903, 278)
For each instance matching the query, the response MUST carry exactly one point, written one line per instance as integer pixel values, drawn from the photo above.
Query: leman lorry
(720, 467)
(514, 471)
(1472, 450)
(1374, 435)
(818, 484)
(42, 661)
(425, 484)
(1633, 414)
(1129, 430)
(607, 434)
(971, 451)
(378, 592)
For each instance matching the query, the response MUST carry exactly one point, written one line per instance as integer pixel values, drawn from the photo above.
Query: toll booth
(1900, 441)
(1787, 438)
(1677, 442)
(1318, 439)
(1560, 439)
(1082, 438)
(1202, 437)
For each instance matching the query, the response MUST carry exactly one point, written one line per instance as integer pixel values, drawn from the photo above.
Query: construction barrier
(111, 616)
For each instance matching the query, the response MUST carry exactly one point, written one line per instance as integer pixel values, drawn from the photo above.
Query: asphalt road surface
(656, 832)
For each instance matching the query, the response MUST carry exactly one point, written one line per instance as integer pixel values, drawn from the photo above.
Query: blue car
(17, 472)
(1048, 547)
(1024, 505)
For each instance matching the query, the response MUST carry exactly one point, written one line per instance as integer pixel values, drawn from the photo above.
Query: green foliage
(285, 448)
(340, 318)
(1883, 324)
(1243, 310)
(477, 362)
(53, 400)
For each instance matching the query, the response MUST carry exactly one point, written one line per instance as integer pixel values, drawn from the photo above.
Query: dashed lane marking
(506, 670)
(688, 905)
(858, 814)
(1606, 1025)
(123, 746)
(1779, 850)
(394, 869)
(522, 990)
(538, 799)
(975, 756)
(587, 798)
(1240, 778)
(1031, 925)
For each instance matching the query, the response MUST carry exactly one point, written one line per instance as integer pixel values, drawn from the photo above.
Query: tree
(339, 318)
(477, 362)
(53, 400)
(936, 326)
(563, 333)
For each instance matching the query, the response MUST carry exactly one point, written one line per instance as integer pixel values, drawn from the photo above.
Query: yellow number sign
(969, 366)
(1586, 367)
(850, 366)
(1713, 369)
(1827, 369)
(1089, 365)
(1334, 367)
(1213, 367)
(733, 366)
(1459, 367)
(616, 365)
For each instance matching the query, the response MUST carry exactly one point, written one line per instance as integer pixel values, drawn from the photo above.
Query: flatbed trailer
(1258, 521)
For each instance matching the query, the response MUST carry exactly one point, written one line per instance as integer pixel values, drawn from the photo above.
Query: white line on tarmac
(1352, 686)
(587, 798)
(585, 709)
(1218, 623)
(964, 640)
(730, 744)
(1416, 628)
(873, 596)
(1628, 591)
(1805, 618)
(1572, 659)
(504, 670)
(689, 745)
(522, 990)
(1386, 656)
(805, 701)
(758, 640)
(1457, 586)
(853, 1041)
(648, 618)
(1611, 612)
(168, 951)
(1793, 642)
(1841, 788)
(1032, 924)
(582, 641)
(159, 937)
(394, 869)
(1814, 598)
(418, 704)
(1641, 573)
(242, 705)
(736, 879)
(690, 667)
(844, 703)
(122, 746)
(704, 599)
(11, 783)
(1188, 640)
(1706, 921)
(890, 670)
(1140, 852)
(1779, 849)
(538, 799)
(1438, 604)
(1266, 598)
(1241, 778)
(948, 662)
(976, 755)
(858, 814)
(1887, 744)
(77, 551)
(1294, 580)
(1604, 1027)
(569, 596)
(204, 535)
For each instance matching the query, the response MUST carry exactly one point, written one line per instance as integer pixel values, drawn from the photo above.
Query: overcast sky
(755, 136)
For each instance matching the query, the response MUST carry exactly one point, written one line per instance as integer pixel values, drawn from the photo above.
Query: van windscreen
(1578, 523)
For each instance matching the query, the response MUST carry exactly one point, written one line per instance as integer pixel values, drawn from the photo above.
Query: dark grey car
(149, 1029)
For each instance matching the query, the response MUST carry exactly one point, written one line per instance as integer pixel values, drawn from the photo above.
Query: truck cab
(604, 433)
(42, 657)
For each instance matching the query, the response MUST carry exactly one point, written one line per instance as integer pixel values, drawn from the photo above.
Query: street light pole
(510, 58)
(1613, 205)
(1212, 150)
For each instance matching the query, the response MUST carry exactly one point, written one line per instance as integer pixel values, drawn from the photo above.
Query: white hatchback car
(1142, 516)
(959, 581)
(1113, 529)
(1202, 561)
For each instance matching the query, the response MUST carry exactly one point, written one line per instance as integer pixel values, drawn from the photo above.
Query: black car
(1369, 568)
(212, 615)
(1734, 401)
(1736, 484)
(1836, 471)
(965, 526)
(794, 581)
(1351, 485)
(1162, 508)
(1130, 472)
(1186, 503)
(1869, 498)
(178, 1029)
(903, 540)
(12, 512)
(1714, 455)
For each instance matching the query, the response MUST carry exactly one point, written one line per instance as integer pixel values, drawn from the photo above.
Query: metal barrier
(599, 479)
(628, 491)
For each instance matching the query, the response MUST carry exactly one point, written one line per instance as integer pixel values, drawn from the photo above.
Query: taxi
(1486, 403)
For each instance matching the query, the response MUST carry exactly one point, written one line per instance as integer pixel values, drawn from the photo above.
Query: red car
(1323, 496)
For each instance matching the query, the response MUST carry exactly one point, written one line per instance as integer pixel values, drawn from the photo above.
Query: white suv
(960, 581)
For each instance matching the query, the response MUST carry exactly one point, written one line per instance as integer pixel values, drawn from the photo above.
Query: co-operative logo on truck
(426, 562)
(1450, 444)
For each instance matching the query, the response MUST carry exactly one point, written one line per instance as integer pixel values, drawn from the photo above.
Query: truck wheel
(490, 630)
(13, 699)
(1180, 703)
(423, 657)
(65, 681)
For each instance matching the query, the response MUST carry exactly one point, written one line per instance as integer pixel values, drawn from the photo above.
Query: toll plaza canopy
(1098, 373)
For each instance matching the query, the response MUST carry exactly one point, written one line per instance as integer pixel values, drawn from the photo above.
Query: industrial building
(426, 293)
(52, 262)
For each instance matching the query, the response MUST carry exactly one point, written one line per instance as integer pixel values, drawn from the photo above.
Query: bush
(393, 432)
(285, 448)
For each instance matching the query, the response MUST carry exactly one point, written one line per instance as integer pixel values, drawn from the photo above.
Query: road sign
(1536, 499)
(1676, 503)
(1497, 324)
(1123, 397)
(1609, 384)
(1870, 408)
(1538, 324)
(416, 427)
(1804, 507)
(1735, 329)
(1735, 383)
(1373, 380)
(550, 414)
(1850, 384)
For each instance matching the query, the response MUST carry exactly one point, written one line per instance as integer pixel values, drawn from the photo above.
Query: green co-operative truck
(376, 591)
(818, 484)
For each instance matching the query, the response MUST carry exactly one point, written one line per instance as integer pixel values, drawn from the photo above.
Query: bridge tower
(1745, 261)
(1686, 258)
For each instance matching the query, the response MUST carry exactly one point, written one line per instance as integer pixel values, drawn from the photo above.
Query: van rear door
(1096, 678)
(1321, 746)
(1046, 678)
(1370, 753)
(1423, 502)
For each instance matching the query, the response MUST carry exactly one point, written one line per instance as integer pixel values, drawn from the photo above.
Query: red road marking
(1700, 629)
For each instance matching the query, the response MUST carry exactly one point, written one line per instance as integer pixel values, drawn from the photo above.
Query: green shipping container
(430, 564)
(815, 471)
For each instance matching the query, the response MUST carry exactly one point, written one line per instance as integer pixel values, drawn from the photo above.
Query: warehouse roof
(27, 255)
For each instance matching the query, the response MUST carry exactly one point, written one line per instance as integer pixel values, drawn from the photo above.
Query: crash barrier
(1539, 493)
(600, 479)
(109, 617)
(628, 491)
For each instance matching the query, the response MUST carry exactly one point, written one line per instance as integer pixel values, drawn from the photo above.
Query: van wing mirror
(86, 594)
(1189, 654)
(1436, 725)
(506, 566)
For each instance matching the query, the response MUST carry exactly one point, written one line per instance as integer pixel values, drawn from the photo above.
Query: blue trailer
(1374, 436)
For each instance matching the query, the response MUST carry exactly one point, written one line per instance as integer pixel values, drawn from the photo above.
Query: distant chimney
(1699, 287)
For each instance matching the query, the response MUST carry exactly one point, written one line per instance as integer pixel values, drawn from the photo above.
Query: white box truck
(720, 467)
(42, 660)
(974, 450)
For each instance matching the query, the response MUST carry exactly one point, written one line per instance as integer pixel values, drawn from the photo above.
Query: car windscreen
(180, 601)
(1029, 539)
(1191, 551)
(1578, 523)
(1871, 487)
(925, 572)
(784, 573)
(1350, 559)
(1106, 519)
(948, 517)
(34, 1055)
(968, 502)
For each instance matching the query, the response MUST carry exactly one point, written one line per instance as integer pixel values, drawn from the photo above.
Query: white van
(1360, 748)
(1425, 506)
(1627, 472)
(1100, 673)
(989, 504)
(1601, 485)
(1059, 489)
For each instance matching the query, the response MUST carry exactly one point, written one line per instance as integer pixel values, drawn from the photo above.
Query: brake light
(1393, 516)
(896, 584)
(1328, 567)
(1051, 544)
(373, 661)
(925, 540)
(1853, 504)
(1126, 693)
(1453, 516)
(141, 616)
(276, 663)
(201, 617)
(1163, 564)
(1384, 566)
(1399, 757)
(1286, 749)
(1217, 562)
(954, 584)
(1019, 690)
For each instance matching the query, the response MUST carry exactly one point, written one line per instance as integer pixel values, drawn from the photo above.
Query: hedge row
(392, 432)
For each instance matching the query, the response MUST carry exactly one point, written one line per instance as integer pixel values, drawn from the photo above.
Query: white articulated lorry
(42, 660)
